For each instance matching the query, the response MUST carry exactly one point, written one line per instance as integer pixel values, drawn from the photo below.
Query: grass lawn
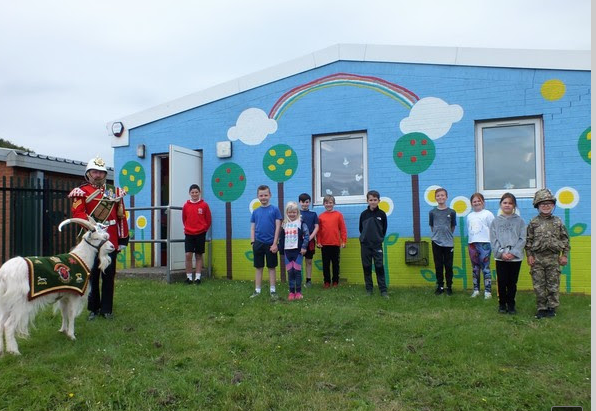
(210, 347)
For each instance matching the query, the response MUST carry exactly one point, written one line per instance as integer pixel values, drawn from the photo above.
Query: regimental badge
(54, 260)
(72, 261)
(42, 281)
(63, 272)
(98, 161)
(79, 278)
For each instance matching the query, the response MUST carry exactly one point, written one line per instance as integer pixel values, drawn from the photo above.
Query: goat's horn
(80, 221)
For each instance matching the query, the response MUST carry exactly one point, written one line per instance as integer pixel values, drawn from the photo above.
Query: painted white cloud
(431, 116)
(252, 127)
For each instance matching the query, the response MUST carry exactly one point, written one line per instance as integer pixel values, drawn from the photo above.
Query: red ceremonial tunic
(105, 204)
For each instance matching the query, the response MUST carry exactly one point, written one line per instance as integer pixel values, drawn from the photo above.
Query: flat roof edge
(459, 56)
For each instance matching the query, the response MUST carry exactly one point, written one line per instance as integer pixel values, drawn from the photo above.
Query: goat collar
(97, 247)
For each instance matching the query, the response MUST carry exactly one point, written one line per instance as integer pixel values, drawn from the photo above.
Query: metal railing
(168, 241)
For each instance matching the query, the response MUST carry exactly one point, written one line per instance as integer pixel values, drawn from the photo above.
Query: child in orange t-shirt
(331, 237)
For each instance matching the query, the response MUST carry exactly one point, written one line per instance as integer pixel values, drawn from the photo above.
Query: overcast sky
(67, 67)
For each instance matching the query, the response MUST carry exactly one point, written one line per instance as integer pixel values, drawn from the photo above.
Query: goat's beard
(104, 261)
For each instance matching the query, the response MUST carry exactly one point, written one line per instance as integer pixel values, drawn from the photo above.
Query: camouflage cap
(543, 195)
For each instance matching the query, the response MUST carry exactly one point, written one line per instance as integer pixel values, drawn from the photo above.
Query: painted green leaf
(132, 177)
(250, 256)
(392, 239)
(280, 163)
(228, 182)
(578, 229)
(428, 275)
(414, 152)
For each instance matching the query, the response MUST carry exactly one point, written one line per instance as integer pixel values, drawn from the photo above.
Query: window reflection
(509, 157)
(342, 167)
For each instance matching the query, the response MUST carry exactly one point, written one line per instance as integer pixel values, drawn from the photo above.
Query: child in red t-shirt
(331, 237)
(196, 217)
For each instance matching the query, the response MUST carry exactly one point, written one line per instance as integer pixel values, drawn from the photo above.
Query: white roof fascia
(459, 56)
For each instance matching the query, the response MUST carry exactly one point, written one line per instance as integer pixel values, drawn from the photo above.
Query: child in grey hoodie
(507, 240)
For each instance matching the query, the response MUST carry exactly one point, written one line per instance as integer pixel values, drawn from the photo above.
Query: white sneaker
(475, 294)
(487, 295)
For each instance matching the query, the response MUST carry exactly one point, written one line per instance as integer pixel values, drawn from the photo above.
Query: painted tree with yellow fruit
(280, 163)
(132, 180)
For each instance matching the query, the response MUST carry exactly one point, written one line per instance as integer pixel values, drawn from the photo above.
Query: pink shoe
(291, 296)
(298, 296)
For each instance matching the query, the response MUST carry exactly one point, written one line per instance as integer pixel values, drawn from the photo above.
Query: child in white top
(478, 223)
(293, 245)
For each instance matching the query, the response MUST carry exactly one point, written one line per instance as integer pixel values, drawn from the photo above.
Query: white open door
(186, 168)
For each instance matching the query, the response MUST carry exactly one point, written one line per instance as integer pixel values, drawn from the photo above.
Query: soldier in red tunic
(103, 203)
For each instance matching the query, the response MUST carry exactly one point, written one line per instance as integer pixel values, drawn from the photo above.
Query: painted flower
(461, 205)
(386, 204)
(141, 222)
(567, 197)
(254, 204)
(429, 195)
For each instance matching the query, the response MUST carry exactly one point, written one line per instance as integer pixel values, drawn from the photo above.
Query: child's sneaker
(274, 296)
(188, 281)
(475, 294)
(540, 314)
(439, 291)
(449, 291)
(487, 295)
(308, 284)
(326, 285)
(298, 296)
(335, 284)
(291, 296)
(550, 312)
(255, 294)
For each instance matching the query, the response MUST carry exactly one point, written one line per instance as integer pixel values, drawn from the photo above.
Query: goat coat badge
(63, 272)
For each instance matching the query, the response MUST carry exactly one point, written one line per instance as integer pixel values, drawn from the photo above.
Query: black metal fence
(30, 212)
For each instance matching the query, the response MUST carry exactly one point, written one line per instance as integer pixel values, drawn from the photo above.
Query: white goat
(17, 312)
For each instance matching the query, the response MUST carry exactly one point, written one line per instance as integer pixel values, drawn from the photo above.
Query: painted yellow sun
(552, 90)
(461, 205)
(141, 222)
(386, 204)
(567, 197)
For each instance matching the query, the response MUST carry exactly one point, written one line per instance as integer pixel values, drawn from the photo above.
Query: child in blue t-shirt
(311, 220)
(265, 223)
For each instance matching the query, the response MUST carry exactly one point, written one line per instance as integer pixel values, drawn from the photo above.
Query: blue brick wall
(482, 92)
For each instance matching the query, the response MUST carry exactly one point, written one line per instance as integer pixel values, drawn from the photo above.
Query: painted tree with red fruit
(414, 153)
(228, 184)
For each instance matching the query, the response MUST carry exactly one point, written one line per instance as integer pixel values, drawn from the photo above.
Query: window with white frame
(509, 156)
(340, 166)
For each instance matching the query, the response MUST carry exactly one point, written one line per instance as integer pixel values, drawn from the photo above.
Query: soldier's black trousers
(102, 303)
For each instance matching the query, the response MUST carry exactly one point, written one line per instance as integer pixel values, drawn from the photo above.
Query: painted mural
(132, 179)
(228, 184)
(267, 113)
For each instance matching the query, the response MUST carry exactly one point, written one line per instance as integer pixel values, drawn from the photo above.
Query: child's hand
(531, 260)
(319, 245)
(302, 251)
(343, 245)
(273, 248)
(563, 260)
